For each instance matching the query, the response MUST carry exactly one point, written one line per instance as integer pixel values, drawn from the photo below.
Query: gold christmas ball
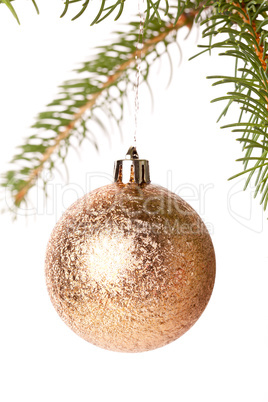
(130, 267)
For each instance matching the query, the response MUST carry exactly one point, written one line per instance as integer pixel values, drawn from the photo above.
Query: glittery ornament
(130, 267)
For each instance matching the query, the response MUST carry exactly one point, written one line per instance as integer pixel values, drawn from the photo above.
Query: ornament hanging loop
(138, 59)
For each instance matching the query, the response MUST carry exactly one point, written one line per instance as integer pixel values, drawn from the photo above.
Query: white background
(224, 357)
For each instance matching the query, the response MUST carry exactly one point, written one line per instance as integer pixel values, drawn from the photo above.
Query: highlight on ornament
(130, 267)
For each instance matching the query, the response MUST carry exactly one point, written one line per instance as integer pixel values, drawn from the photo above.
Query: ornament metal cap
(132, 169)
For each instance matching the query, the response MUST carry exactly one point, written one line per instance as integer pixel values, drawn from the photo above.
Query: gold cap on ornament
(132, 169)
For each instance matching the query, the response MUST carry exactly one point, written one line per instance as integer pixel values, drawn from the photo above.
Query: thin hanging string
(138, 59)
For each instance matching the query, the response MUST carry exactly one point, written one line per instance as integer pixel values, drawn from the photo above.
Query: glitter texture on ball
(130, 267)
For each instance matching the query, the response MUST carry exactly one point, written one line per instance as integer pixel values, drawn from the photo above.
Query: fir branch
(245, 23)
(68, 115)
(153, 9)
(159, 9)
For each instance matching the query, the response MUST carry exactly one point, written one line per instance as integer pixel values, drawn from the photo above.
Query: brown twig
(186, 19)
(259, 50)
